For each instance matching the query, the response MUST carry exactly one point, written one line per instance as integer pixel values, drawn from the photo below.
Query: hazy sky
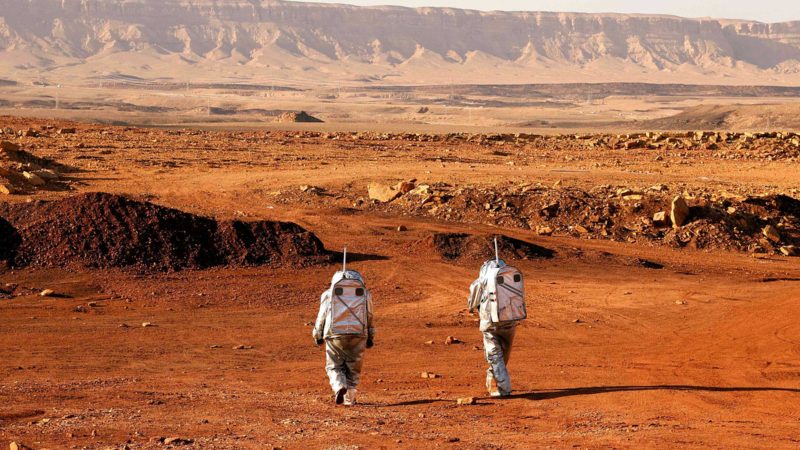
(763, 10)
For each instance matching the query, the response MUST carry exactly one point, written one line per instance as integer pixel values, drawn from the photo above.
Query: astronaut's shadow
(570, 392)
(357, 257)
(422, 401)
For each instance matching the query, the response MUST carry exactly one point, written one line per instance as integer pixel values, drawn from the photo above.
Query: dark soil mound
(103, 230)
(9, 240)
(452, 246)
(12, 154)
(783, 204)
(256, 243)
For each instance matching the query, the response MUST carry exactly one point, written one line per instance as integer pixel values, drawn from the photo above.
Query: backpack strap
(512, 289)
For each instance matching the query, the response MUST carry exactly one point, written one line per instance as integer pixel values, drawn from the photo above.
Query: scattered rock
(6, 189)
(66, 131)
(177, 441)
(311, 189)
(450, 340)
(660, 219)
(18, 446)
(467, 401)
(405, 187)
(47, 293)
(47, 174)
(790, 250)
(402, 228)
(772, 233)
(147, 324)
(243, 347)
(623, 192)
(382, 193)
(680, 212)
(681, 302)
(430, 375)
(544, 231)
(34, 179)
(429, 342)
(422, 189)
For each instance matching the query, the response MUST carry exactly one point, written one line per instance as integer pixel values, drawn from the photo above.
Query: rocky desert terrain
(159, 286)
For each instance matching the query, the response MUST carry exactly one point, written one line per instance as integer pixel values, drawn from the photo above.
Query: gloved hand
(320, 341)
(370, 343)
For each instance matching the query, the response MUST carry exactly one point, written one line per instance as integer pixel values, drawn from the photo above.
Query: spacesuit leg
(354, 360)
(335, 364)
(344, 361)
(497, 349)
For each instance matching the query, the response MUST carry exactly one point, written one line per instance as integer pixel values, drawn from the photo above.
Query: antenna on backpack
(344, 261)
(496, 253)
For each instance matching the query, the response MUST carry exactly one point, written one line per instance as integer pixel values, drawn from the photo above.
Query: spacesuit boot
(350, 397)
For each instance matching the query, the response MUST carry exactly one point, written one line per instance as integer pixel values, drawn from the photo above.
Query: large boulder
(679, 214)
(382, 192)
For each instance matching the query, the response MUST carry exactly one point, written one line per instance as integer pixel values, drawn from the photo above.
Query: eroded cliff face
(347, 41)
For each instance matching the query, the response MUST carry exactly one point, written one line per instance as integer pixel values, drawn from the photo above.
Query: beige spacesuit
(498, 294)
(344, 324)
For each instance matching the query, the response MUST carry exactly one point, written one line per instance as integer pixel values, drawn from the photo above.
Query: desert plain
(639, 334)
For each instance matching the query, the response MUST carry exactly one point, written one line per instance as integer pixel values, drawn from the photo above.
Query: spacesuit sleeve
(475, 294)
(322, 316)
(370, 321)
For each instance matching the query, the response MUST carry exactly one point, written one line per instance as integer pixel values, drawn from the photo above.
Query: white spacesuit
(498, 294)
(345, 325)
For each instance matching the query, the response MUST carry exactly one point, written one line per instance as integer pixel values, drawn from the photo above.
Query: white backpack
(500, 291)
(505, 293)
(349, 307)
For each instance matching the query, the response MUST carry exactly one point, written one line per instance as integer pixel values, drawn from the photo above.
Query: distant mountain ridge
(272, 40)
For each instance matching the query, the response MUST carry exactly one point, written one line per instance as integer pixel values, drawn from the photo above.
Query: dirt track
(703, 352)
